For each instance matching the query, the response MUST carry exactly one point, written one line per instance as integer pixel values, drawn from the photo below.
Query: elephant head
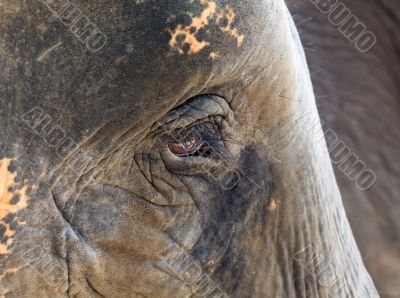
(159, 149)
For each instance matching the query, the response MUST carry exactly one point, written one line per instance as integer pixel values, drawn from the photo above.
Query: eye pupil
(188, 147)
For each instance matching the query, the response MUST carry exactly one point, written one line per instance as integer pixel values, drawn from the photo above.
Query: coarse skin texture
(103, 237)
(358, 96)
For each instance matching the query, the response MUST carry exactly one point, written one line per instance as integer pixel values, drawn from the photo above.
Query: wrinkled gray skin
(280, 232)
(358, 96)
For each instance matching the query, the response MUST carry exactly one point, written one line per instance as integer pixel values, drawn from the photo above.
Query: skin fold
(106, 207)
(358, 96)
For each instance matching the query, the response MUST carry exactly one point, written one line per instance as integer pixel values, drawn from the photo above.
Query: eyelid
(199, 108)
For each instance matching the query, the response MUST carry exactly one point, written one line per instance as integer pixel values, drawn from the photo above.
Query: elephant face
(164, 158)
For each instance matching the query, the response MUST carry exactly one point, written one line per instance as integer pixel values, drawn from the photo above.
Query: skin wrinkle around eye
(199, 108)
(217, 148)
(147, 180)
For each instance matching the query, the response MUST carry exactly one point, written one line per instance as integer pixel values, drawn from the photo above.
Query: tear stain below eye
(12, 200)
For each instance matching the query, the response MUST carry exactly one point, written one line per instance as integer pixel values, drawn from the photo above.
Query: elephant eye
(189, 147)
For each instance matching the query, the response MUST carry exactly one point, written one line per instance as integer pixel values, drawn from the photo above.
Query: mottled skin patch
(189, 33)
(11, 271)
(185, 38)
(229, 14)
(272, 205)
(214, 55)
(13, 198)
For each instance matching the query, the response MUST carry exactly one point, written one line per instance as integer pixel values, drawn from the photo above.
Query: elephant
(156, 149)
(358, 97)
